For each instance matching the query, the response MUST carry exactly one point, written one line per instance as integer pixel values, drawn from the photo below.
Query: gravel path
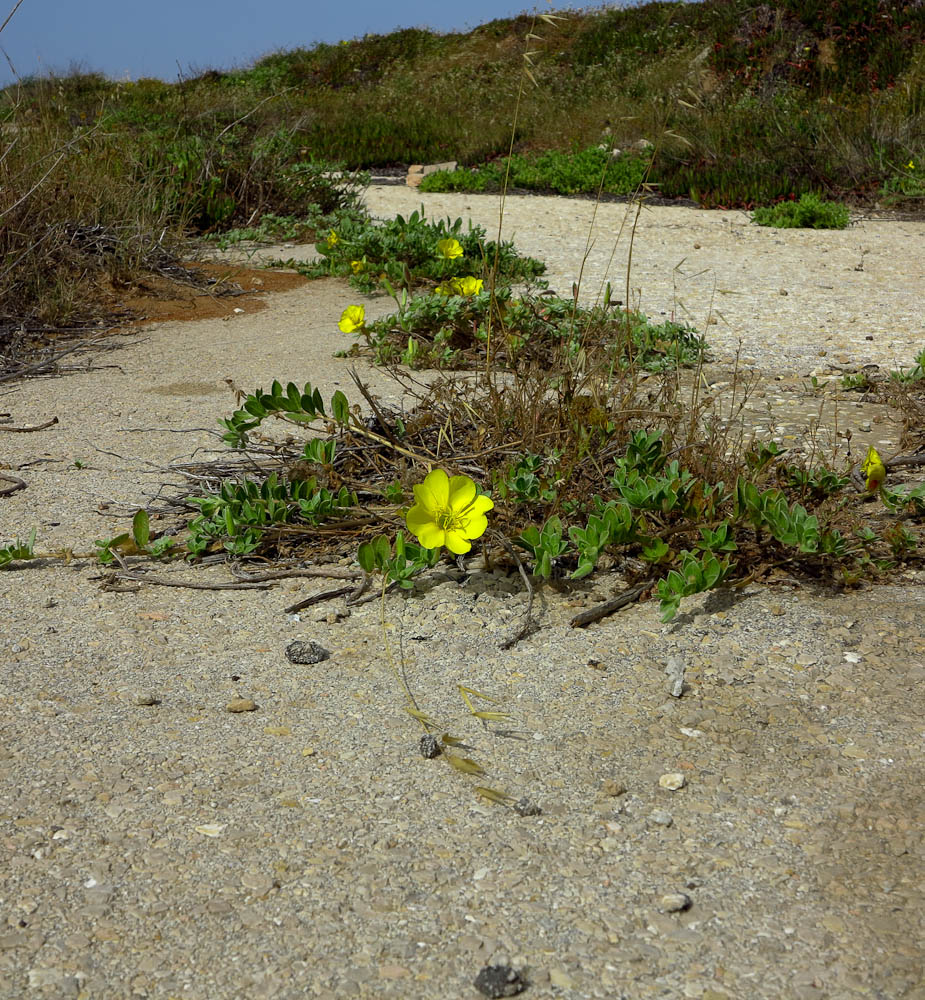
(758, 837)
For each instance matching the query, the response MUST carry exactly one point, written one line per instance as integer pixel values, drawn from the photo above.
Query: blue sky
(127, 39)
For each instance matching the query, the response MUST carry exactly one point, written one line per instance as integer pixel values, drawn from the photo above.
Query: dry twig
(29, 430)
(600, 611)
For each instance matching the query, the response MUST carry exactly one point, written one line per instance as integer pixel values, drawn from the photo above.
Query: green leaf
(366, 557)
(141, 528)
(340, 408)
(382, 551)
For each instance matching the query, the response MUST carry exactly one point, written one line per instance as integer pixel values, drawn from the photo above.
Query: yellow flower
(468, 286)
(333, 239)
(460, 286)
(449, 249)
(352, 318)
(448, 511)
(357, 265)
(873, 468)
(910, 165)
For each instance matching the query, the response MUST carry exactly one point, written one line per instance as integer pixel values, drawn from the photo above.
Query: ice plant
(352, 318)
(448, 511)
(873, 468)
(449, 249)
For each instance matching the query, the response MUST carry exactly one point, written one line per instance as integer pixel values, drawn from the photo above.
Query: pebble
(672, 781)
(241, 705)
(146, 698)
(675, 902)
(675, 672)
(306, 651)
(526, 807)
(660, 817)
(499, 981)
(430, 747)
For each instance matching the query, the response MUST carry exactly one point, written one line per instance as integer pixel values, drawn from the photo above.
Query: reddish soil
(157, 299)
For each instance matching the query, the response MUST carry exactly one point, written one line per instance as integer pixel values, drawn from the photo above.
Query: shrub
(810, 212)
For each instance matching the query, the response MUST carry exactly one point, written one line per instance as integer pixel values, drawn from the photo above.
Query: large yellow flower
(352, 318)
(333, 239)
(449, 249)
(448, 511)
(873, 468)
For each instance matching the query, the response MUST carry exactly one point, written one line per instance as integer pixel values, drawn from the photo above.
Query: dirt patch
(236, 289)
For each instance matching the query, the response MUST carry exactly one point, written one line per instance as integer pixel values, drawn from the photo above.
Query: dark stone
(499, 981)
(430, 747)
(299, 651)
(526, 807)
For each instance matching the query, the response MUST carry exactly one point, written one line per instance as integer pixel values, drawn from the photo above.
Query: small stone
(145, 698)
(301, 651)
(561, 979)
(672, 781)
(661, 818)
(612, 787)
(784, 291)
(499, 981)
(241, 705)
(430, 747)
(675, 673)
(526, 807)
(675, 902)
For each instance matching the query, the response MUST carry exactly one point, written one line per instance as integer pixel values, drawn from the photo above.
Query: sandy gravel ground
(759, 837)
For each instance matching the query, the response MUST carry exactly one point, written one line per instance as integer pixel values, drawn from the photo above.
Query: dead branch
(600, 611)
(18, 484)
(161, 581)
(29, 430)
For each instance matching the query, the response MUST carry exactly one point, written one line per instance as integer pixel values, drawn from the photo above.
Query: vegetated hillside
(745, 104)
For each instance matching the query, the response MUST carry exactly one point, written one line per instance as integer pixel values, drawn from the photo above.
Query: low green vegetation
(810, 212)
(405, 253)
(637, 487)
(454, 331)
(589, 171)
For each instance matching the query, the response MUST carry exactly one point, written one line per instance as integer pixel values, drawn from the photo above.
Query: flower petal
(456, 542)
(480, 505)
(474, 527)
(434, 492)
(431, 537)
(461, 493)
(417, 517)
